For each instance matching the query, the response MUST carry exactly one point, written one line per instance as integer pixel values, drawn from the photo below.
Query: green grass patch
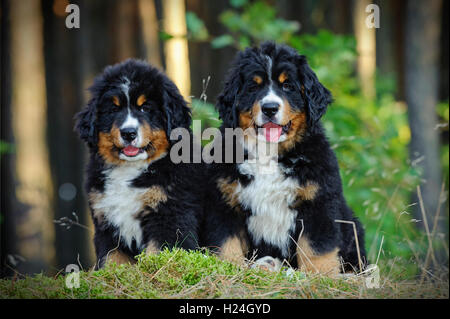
(182, 274)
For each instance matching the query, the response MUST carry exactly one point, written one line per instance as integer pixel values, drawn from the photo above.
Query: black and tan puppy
(138, 198)
(282, 204)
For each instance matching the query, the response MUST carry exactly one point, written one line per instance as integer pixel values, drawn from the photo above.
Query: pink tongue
(130, 150)
(272, 132)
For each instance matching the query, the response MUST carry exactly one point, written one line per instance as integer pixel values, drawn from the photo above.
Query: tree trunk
(176, 48)
(421, 76)
(149, 23)
(35, 228)
(65, 50)
(365, 45)
(9, 204)
(125, 30)
(202, 58)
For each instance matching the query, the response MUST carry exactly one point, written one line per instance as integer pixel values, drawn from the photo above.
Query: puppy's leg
(349, 250)
(108, 249)
(234, 249)
(119, 257)
(152, 248)
(310, 260)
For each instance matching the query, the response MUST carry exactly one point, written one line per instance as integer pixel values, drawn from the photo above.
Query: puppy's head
(131, 113)
(273, 94)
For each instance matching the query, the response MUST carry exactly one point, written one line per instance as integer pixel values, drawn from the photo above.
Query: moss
(183, 274)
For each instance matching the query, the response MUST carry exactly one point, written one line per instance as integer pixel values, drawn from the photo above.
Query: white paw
(267, 263)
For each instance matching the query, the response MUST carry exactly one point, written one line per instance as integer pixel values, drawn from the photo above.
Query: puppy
(284, 201)
(139, 199)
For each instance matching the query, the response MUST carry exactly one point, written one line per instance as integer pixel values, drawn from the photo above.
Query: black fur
(172, 222)
(310, 159)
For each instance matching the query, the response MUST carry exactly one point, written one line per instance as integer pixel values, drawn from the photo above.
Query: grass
(182, 274)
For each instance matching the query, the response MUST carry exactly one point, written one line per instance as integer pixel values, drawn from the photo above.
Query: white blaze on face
(271, 132)
(131, 122)
(125, 86)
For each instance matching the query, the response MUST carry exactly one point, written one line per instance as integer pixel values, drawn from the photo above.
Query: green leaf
(164, 36)
(6, 147)
(238, 3)
(196, 27)
(222, 41)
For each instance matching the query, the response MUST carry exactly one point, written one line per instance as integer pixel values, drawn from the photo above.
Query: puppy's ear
(316, 96)
(228, 100)
(85, 123)
(178, 114)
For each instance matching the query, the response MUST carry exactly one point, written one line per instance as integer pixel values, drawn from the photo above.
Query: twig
(301, 250)
(68, 223)
(356, 240)
(379, 251)
(380, 224)
(425, 223)
(433, 232)
(170, 259)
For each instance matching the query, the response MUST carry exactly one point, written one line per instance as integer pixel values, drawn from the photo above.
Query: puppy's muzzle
(270, 109)
(128, 134)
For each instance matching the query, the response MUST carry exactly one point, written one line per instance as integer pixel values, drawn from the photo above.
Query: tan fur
(258, 80)
(152, 248)
(106, 143)
(159, 141)
(282, 77)
(141, 100)
(297, 129)
(116, 100)
(98, 215)
(308, 191)
(228, 190)
(119, 258)
(234, 249)
(153, 197)
(246, 119)
(309, 260)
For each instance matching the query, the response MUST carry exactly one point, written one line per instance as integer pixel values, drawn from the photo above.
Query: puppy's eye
(287, 87)
(145, 107)
(115, 104)
(253, 87)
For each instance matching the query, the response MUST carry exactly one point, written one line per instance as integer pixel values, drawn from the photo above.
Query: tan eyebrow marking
(257, 79)
(116, 100)
(141, 100)
(282, 77)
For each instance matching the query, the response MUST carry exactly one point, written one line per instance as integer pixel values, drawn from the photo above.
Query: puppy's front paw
(267, 263)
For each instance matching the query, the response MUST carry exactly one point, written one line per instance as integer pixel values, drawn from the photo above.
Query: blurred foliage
(196, 27)
(443, 113)
(370, 137)
(6, 148)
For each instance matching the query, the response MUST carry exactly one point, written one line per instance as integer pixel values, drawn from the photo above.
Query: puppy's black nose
(128, 134)
(270, 109)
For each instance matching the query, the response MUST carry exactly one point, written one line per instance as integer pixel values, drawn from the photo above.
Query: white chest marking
(121, 202)
(268, 196)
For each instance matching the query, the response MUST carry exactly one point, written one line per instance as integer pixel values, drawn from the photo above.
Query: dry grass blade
(355, 232)
(425, 223)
